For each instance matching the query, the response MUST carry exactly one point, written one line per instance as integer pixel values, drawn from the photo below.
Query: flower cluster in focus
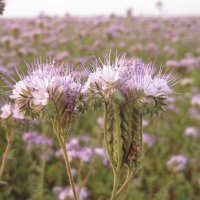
(46, 84)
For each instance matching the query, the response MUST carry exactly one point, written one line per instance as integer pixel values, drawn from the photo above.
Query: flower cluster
(76, 150)
(34, 139)
(177, 162)
(128, 78)
(8, 110)
(43, 84)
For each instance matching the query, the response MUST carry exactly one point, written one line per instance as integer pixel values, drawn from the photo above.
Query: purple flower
(191, 131)
(43, 83)
(148, 139)
(134, 80)
(101, 152)
(177, 162)
(196, 100)
(33, 139)
(78, 148)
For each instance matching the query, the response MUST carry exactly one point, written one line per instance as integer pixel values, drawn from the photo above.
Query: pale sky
(29, 8)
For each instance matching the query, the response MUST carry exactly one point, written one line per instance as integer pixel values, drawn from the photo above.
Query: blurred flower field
(171, 166)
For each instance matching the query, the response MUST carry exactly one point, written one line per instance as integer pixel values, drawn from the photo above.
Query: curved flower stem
(115, 186)
(68, 169)
(126, 183)
(58, 131)
(5, 155)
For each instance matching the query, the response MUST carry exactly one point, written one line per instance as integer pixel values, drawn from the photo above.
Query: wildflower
(6, 111)
(177, 162)
(78, 149)
(128, 78)
(148, 139)
(33, 139)
(11, 110)
(196, 100)
(191, 131)
(46, 83)
(101, 152)
(129, 89)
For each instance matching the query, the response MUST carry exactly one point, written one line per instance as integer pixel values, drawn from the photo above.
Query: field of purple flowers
(171, 166)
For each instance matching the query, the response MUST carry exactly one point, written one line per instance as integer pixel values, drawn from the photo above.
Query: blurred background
(24, 8)
(165, 32)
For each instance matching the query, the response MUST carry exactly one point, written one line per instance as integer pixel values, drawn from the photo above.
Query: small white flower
(18, 90)
(40, 97)
(17, 114)
(6, 111)
(106, 78)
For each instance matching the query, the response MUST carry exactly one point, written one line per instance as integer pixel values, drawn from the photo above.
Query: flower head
(131, 78)
(8, 110)
(5, 111)
(177, 162)
(45, 83)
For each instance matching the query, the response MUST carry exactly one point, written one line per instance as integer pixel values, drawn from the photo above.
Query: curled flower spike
(46, 83)
(132, 79)
(128, 88)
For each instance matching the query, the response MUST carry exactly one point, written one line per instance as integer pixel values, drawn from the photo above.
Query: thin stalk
(126, 183)
(58, 133)
(115, 186)
(6, 153)
(68, 169)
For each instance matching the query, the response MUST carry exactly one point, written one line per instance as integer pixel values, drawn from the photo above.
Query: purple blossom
(44, 82)
(77, 148)
(196, 100)
(148, 139)
(191, 131)
(177, 162)
(34, 139)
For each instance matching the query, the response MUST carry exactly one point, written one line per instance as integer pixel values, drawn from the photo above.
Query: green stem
(115, 186)
(58, 133)
(126, 183)
(6, 153)
(68, 169)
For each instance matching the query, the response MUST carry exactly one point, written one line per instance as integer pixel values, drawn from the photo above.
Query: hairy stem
(107, 132)
(59, 132)
(115, 186)
(117, 150)
(126, 183)
(6, 153)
